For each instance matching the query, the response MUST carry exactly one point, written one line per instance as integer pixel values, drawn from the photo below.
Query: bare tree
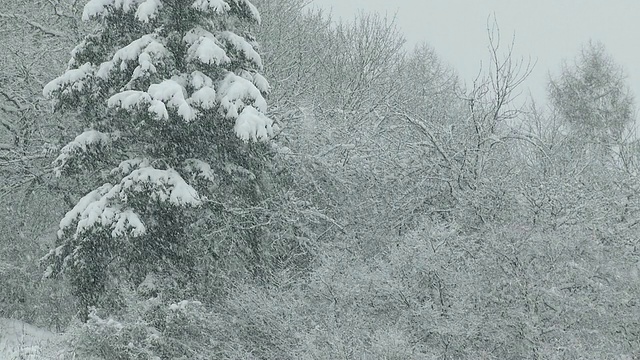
(470, 153)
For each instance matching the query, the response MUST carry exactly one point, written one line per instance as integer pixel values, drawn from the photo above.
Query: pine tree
(172, 102)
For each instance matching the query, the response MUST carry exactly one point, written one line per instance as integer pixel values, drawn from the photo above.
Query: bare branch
(45, 30)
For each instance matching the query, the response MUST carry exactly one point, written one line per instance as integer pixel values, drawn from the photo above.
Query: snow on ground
(19, 340)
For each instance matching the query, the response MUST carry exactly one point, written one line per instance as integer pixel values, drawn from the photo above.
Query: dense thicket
(35, 38)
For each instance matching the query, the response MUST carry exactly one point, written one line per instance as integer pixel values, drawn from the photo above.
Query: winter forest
(226, 179)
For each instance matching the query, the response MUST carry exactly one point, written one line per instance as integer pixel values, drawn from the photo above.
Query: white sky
(549, 31)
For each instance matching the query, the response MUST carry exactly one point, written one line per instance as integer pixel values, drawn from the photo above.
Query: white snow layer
(145, 66)
(234, 91)
(20, 340)
(182, 305)
(205, 98)
(255, 14)
(217, 6)
(148, 10)
(253, 11)
(167, 185)
(72, 79)
(81, 206)
(221, 6)
(258, 80)
(132, 99)
(173, 94)
(77, 49)
(145, 9)
(144, 50)
(261, 82)
(105, 206)
(200, 80)
(127, 220)
(205, 47)
(127, 166)
(253, 125)
(141, 50)
(235, 95)
(199, 168)
(243, 46)
(80, 144)
(95, 8)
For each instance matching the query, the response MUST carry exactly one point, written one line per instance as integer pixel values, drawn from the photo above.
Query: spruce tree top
(161, 87)
(181, 60)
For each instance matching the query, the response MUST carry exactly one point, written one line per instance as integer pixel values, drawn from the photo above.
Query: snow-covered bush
(147, 329)
(12, 280)
(509, 292)
(40, 302)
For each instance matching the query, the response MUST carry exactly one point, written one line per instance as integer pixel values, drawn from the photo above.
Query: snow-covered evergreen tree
(172, 101)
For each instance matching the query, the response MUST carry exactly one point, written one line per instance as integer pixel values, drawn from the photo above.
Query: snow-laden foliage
(90, 141)
(170, 96)
(205, 47)
(72, 80)
(147, 9)
(141, 50)
(156, 330)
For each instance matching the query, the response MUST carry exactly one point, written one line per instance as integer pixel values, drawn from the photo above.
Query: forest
(235, 179)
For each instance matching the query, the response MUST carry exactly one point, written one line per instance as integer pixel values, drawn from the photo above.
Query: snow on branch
(257, 79)
(253, 125)
(199, 80)
(71, 80)
(173, 94)
(145, 9)
(235, 91)
(45, 30)
(129, 99)
(98, 208)
(211, 6)
(86, 142)
(221, 7)
(99, 213)
(81, 207)
(95, 8)
(132, 99)
(142, 50)
(165, 185)
(127, 166)
(205, 98)
(261, 82)
(243, 47)
(106, 207)
(74, 53)
(148, 10)
(205, 94)
(252, 11)
(127, 220)
(199, 168)
(98, 8)
(205, 47)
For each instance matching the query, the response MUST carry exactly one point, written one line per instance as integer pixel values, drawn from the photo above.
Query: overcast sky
(547, 30)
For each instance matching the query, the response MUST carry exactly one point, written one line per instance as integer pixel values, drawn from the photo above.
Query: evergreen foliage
(173, 107)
